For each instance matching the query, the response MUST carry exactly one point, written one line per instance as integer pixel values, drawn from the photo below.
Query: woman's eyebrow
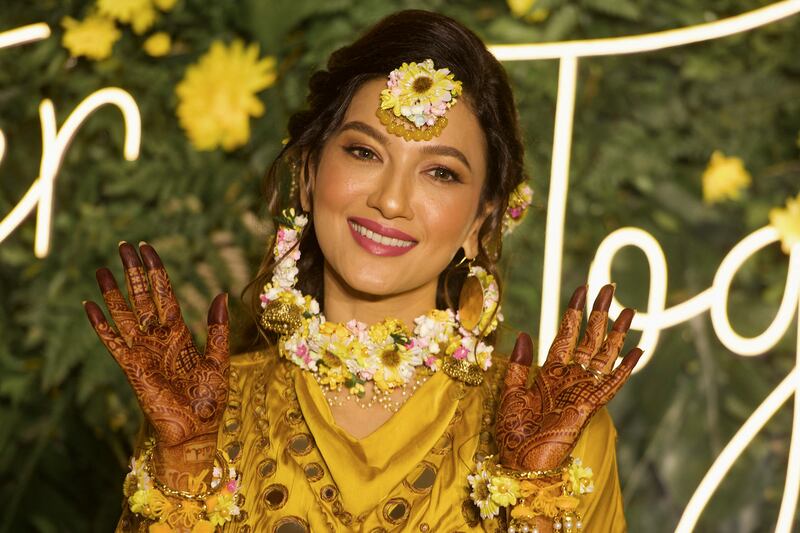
(435, 149)
(365, 128)
(440, 149)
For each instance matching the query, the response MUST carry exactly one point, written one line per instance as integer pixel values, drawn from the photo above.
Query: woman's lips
(378, 239)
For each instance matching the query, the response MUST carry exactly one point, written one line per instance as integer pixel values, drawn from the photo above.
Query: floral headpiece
(416, 99)
(518, 204)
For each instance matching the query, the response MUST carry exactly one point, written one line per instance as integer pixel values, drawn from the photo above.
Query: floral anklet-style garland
(386, 353)
(204, 508)
(555, 494)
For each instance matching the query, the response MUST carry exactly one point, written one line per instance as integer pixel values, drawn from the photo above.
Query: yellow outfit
(301, 472)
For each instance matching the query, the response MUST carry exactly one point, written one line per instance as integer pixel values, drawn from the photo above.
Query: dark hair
(406, 36)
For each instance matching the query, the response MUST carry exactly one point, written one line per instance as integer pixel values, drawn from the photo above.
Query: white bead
(512, 529)
(525, 528)
(557, 526)
(579, 525)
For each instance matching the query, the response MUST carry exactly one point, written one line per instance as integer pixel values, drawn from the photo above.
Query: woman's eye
(359, 152)
(444, 174)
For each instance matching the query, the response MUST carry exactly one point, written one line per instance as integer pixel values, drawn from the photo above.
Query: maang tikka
(416, 99)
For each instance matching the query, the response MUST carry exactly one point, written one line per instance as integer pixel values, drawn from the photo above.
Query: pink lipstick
(378, 239)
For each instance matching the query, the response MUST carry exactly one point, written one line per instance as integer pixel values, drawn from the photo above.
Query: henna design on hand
(538, 426)
(181, 391)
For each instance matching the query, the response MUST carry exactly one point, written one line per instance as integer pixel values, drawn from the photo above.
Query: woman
(385, 412)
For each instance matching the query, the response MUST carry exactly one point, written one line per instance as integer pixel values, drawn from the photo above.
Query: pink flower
(460, 353)
(430, 362)
(231, 486)
(515, 212)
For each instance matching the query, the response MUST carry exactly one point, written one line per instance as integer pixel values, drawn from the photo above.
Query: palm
(181, 391)
(538, 426)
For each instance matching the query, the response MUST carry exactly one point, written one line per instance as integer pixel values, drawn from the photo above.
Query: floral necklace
(386, 353)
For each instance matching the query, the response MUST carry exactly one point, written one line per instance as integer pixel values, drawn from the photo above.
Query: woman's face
(390, 214)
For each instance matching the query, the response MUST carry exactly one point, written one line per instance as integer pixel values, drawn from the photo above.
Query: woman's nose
(392, 194)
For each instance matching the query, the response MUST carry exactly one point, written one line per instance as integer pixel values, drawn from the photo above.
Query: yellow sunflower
(217, 96)
(93, 37)
(724, 178)
(787, 222)
(158, 44)
(140, 14)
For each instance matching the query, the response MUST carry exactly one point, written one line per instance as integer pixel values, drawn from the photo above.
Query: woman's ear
(470, 244)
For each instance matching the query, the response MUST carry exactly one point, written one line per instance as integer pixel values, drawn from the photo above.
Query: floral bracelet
(555, 496)
(202, 509)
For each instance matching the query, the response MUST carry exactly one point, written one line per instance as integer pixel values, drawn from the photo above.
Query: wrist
(176, 465)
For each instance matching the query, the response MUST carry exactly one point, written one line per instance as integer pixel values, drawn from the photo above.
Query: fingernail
(105, 279)
(523, 350)
(623, 322)
(94, 314)
(603, 301)
(578, 298)
(149, 256)
(129, 256)
(218, 314)
(120, 243)
(83, 303)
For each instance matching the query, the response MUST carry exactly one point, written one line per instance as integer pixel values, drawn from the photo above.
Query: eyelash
(353, 149)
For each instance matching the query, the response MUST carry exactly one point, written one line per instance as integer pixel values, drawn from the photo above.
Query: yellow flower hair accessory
(518, 203)
(416, 99)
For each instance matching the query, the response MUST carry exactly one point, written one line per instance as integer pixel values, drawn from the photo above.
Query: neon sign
(713, 299)
(55, 143)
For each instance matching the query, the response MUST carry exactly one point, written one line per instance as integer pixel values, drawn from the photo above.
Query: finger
(567, 336)
(138, 289)
(519, 363)
(217, 347)
(122, 315)
(113, 342)
(620, 375)
(607, 355)
(167, 306)
(596, 326)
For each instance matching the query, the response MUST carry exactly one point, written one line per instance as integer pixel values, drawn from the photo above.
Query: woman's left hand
(537, 427)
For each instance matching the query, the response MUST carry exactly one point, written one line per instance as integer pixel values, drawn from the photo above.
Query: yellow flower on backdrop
(158, 44)
(787, 222)
(724, 178)
(165, 5)
(524, 9)
(140, 14)
(93, 37)
(217, 95)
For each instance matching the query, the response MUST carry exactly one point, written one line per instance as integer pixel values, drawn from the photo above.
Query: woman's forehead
(463, 131)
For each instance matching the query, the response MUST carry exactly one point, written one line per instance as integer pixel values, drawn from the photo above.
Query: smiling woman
(369, 398)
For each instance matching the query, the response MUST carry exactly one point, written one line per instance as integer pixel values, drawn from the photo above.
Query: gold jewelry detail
(463, 371)
(402, 128)
(218, 458)
(282, 318)
(600, 376)
(499, 470)
(470, 303)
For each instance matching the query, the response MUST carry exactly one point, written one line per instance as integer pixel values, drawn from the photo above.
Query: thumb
(217, 346)
(520, 362)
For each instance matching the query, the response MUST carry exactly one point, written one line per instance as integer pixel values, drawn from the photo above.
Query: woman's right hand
(181, 391)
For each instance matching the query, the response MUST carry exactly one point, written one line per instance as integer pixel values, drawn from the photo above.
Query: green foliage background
(645, 128)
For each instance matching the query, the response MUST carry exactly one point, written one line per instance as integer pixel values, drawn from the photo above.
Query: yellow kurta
(301, 472)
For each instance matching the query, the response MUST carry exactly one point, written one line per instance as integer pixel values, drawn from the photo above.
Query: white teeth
(380, 239)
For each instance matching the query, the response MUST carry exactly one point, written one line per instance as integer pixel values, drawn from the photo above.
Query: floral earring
(478, 315)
